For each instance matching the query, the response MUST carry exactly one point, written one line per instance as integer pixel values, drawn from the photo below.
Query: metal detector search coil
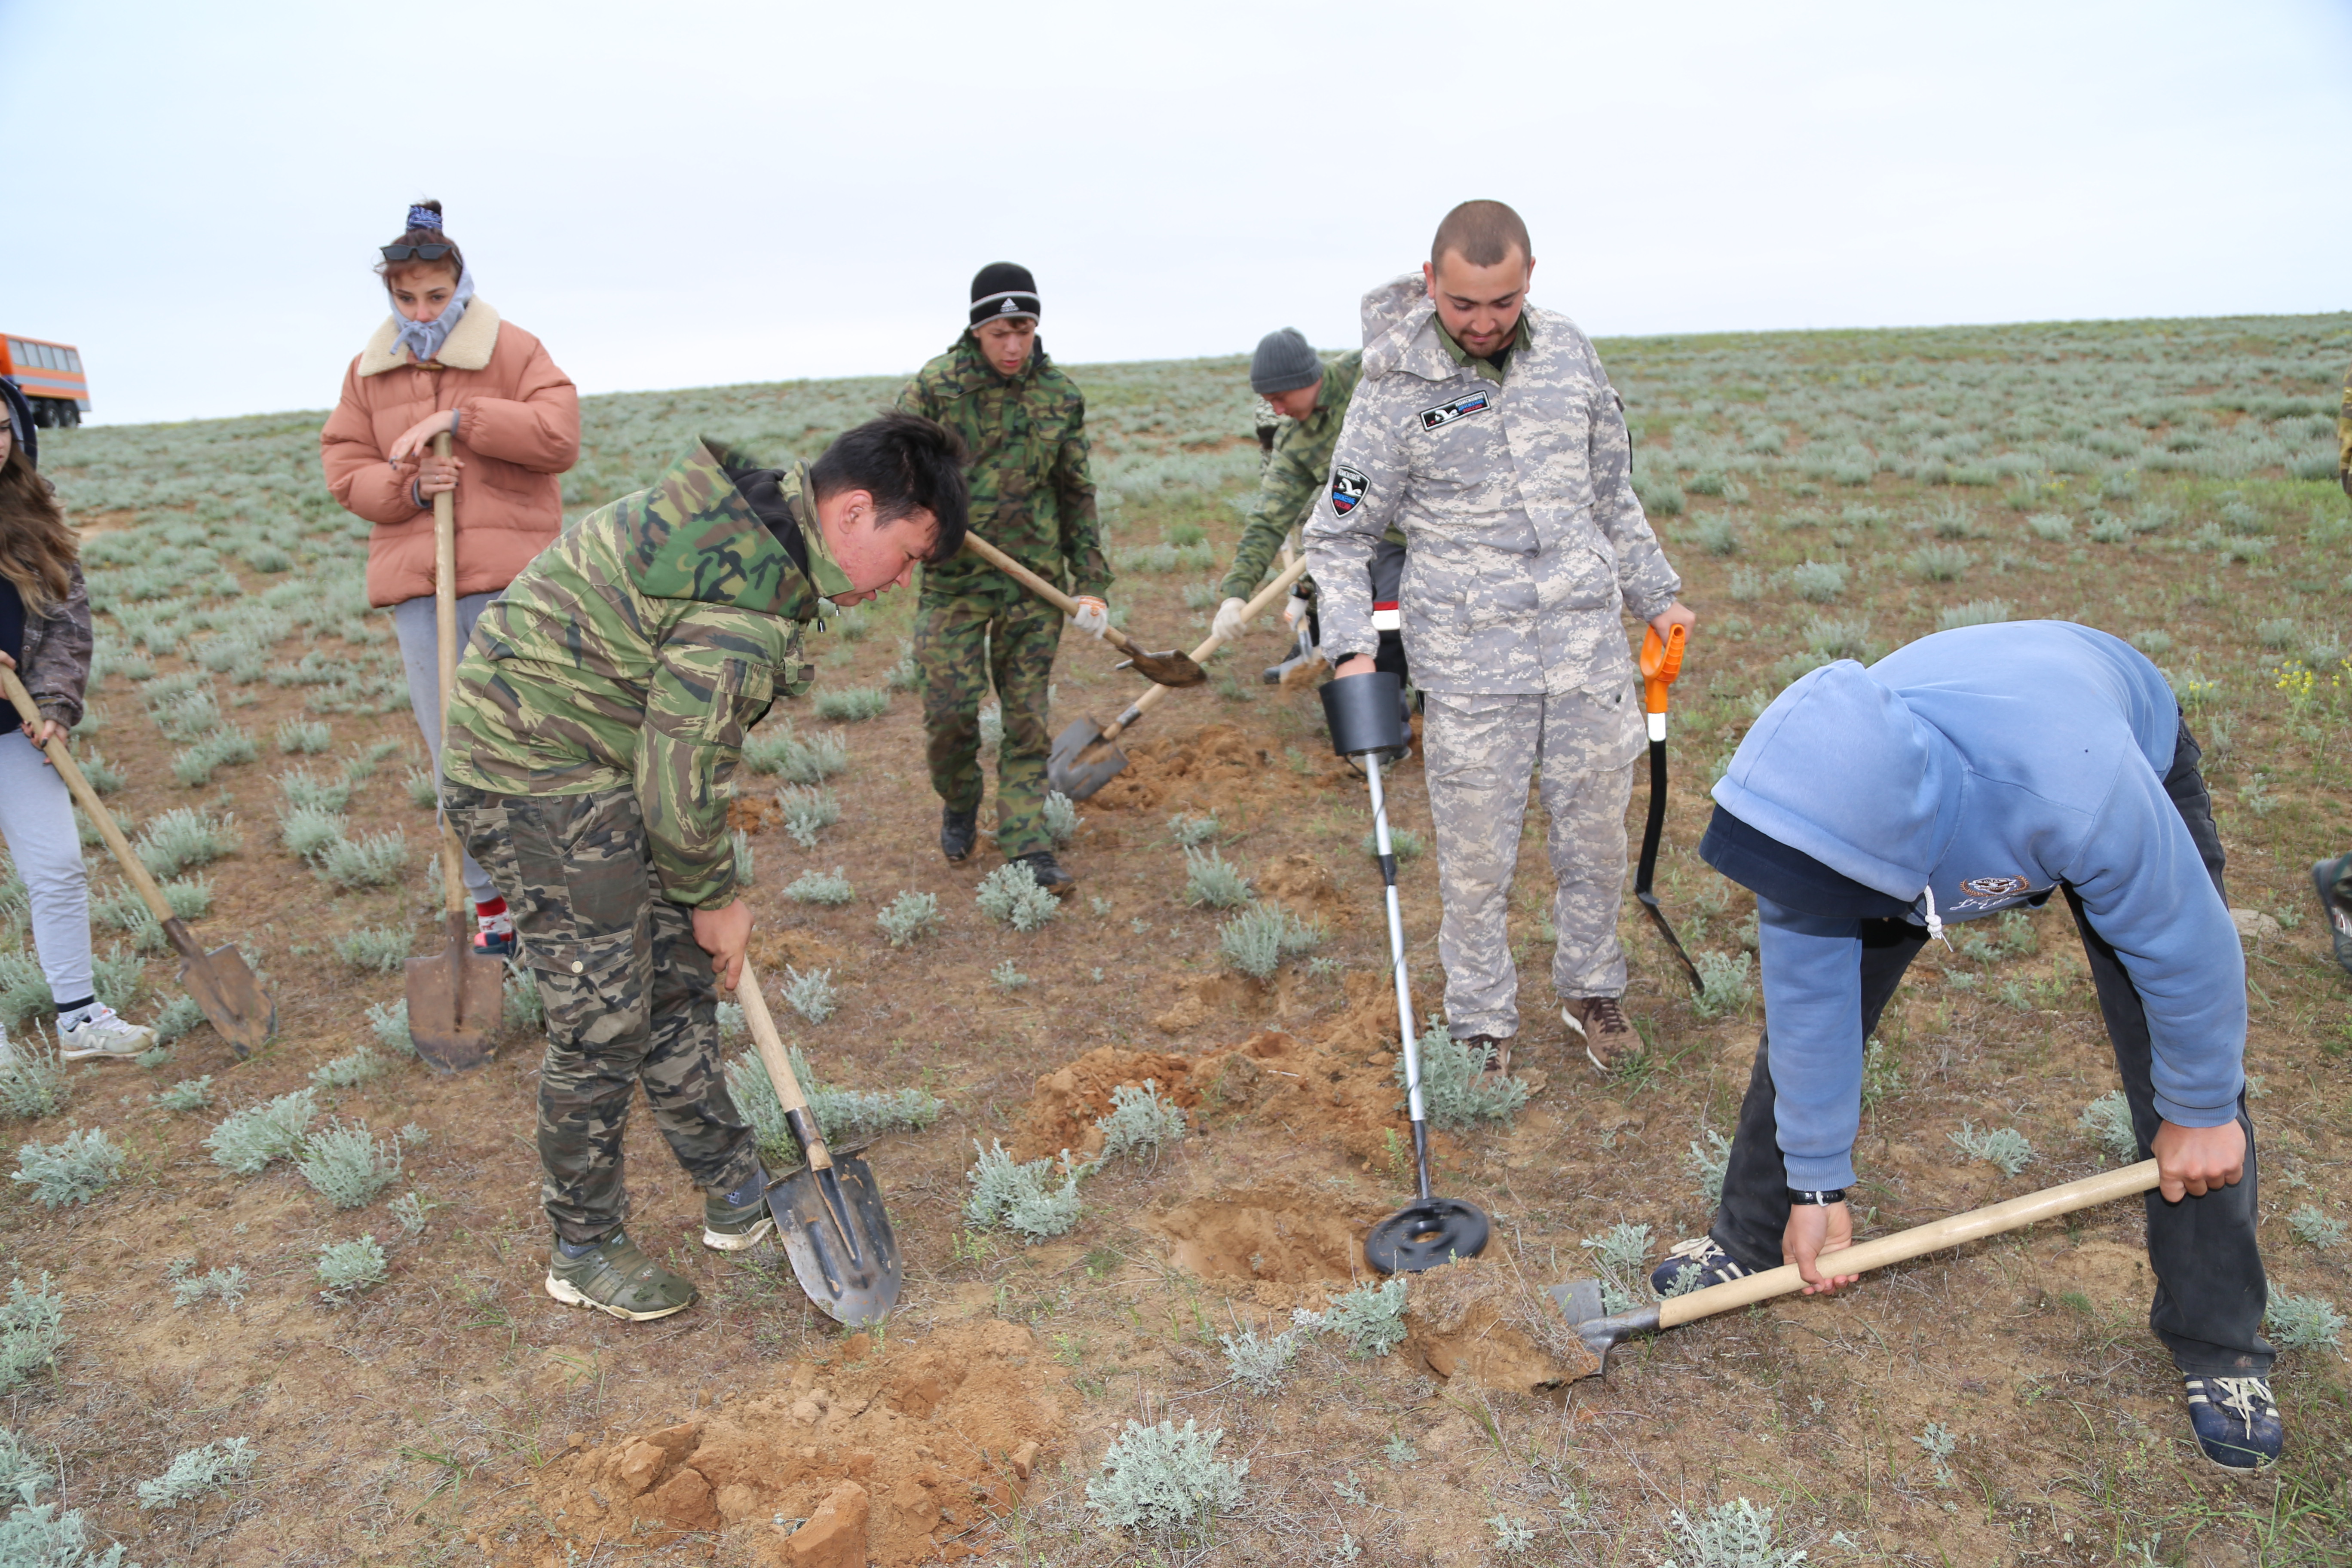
(1366, 714)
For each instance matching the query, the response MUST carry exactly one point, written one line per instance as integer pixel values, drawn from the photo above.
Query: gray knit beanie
(1284, 363)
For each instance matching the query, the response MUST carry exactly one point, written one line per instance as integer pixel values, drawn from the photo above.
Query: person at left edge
(593, 735)
(445, 364)
(1023, 427)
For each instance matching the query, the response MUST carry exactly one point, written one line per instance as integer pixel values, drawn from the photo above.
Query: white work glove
(1293, 610)
(1227, 626)
(1094, 616)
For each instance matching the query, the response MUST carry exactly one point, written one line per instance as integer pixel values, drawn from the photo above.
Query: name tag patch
(1461, 407)
(1347, 487)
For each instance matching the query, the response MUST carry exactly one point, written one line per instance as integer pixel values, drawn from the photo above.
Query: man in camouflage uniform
(596, 721)
(1313, 398)
(1023, 424)
(1488, 429)
(2344, 437)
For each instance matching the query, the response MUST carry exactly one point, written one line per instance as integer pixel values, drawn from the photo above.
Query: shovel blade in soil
(1427, 1233)
(225, 987)
(454, 1001)
(1590, 1319)
(1082, 762)
(839, 1240)
(1169, 669)
(1649, 902)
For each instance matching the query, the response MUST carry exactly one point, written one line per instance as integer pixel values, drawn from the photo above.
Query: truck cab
(49, 375)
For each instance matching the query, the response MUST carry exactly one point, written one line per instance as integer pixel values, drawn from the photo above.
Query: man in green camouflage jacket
(598, 716)
(1023, 424)
(1312, 396)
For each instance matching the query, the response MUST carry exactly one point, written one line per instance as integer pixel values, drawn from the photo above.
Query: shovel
(221, 980)
(1084, 758)
(1169, 668)
(1661, 662)
(829, 1211)
(455, 997)
(1580, 1300)
(1366, 720)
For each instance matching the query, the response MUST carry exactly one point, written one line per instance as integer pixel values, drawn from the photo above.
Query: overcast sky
(684, 195)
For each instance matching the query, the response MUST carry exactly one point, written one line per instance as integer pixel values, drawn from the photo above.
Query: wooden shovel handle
(149, 893)
(1863, 1256)
(1044, 590)
(444, 616)
(1258, 605)
(779, 1063)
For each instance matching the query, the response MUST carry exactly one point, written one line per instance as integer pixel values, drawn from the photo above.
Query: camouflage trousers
(963, 645)
(630, 998)
(1481, 751)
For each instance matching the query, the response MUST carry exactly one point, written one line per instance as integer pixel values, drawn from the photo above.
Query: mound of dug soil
(886, 1459)
(1281, 1244)
(1479, 1322)
(1210, 768)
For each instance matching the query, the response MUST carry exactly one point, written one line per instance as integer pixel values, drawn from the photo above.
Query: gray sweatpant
(36, 819)
(418, 629)
(1481, 751)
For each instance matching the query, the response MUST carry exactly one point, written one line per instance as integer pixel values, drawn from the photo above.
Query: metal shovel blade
(226, 988)
(1427, 1233)
(1590, 1319)
(455, 1000)
(838, 1238)
(1082, 762)
(1169, 669)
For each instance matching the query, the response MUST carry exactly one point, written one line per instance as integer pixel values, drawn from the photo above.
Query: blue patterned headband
(423, 217)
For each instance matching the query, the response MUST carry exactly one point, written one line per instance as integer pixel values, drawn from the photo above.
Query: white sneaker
(102, 1033)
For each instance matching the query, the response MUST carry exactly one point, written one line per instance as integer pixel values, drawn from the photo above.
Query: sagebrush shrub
(380, 950)
(808, 812)
(1370, 1318)
(1190, 830)
(2304, 1323)
(910, 916)
(811, 995)
(1258, 1364)
(1724, 985)
(193, 1472)
(348, 1165)
(182, 838)
(2006, 1148)
(304, 790)
(389, 1022)
(188, 1094)
(2109, 1121)
(301, 736)
(525, 1008)
(820, 888)
(1261, 938)
(246, 1141)
(1211, 879)
(1141, 1122)
(852, 704)
(374, 861)
(1022, 1198)
(1736, 1534)
(1161, 1477)
(348, 1267)
(1818, 581)
(1975, 612)
(1707, 1163)
(2316, 1228)
(72, 1171)
(1062, 818)
(350, 1071)
(1455, 1089)
(307, 831)
(839, 1112)
(32, 1079)
(32, 1330)
(1010, 896)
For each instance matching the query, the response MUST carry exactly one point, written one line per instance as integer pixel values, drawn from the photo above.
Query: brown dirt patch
(1209, 768)
(1273, 1233)
(1069, 1102)
(1303, 885)
(938, 1433)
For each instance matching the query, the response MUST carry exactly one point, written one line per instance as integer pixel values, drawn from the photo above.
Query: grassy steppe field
(290, 1310)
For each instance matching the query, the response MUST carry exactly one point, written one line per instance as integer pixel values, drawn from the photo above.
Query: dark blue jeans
(2209, 1288)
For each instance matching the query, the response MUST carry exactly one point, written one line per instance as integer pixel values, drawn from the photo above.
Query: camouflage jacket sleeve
(2344, 428)
(1293, 476)
(712, 677)
(1354, 512)
(1644, 576)
(1074, 499)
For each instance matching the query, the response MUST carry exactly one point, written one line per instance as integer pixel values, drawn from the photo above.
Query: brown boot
(1496, 1052)
(1610, 1041)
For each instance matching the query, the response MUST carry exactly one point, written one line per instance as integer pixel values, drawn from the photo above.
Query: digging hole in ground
(1275, 1235)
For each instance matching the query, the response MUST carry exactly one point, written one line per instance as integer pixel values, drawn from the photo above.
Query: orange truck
(49, 375)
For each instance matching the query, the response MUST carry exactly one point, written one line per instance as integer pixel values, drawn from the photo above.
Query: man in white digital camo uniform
(1488, 429)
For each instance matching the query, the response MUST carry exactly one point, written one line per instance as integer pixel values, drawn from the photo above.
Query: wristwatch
(1801, 1198)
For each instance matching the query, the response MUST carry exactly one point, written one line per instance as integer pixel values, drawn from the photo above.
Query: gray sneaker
(615, 1276)
(102, 1033)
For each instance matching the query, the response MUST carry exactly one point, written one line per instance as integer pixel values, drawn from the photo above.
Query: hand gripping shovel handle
(1662, 660)
(1263, 599)
(1047, 592)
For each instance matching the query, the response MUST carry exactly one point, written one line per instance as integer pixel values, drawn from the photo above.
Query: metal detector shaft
(1403, 981)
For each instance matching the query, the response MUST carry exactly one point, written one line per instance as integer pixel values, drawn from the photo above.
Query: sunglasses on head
(416, 252)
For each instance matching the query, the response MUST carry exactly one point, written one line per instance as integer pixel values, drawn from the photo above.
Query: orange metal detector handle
(1661, 662)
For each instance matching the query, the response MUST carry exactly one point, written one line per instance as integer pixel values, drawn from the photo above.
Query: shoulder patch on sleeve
(1461, 408)
(1348, 484)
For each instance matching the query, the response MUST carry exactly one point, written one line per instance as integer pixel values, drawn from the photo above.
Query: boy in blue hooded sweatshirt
(1973, 771)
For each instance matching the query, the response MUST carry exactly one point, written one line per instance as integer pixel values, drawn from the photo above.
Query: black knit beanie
(1003, 291)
